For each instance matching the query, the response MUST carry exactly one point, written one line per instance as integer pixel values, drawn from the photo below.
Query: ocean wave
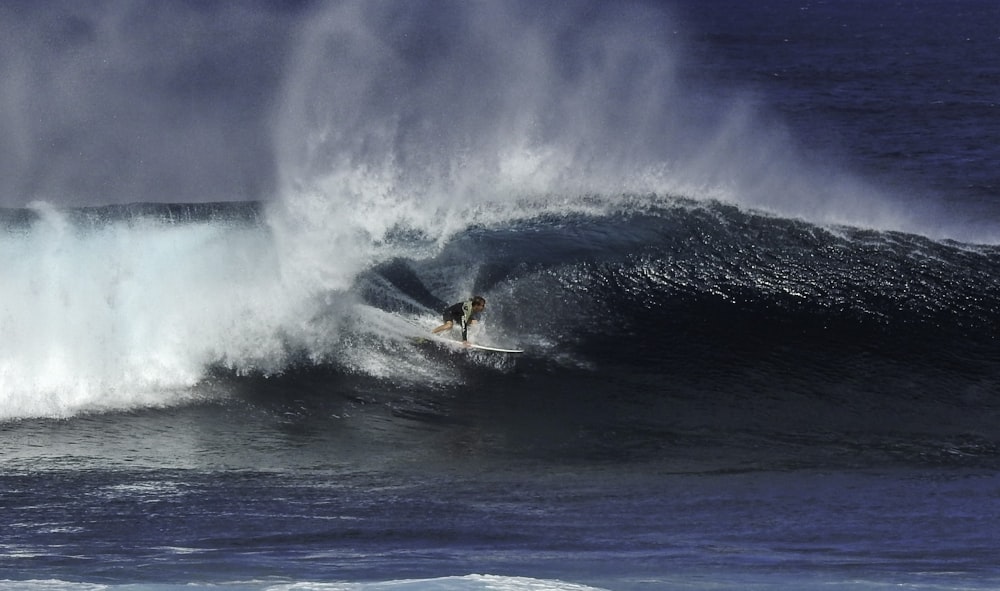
(133, 307)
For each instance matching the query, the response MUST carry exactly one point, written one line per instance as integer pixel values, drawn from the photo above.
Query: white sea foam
(458, 583)
(129, 314)
(716, 581)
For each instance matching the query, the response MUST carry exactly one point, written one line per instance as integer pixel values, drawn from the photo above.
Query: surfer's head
(478, 303)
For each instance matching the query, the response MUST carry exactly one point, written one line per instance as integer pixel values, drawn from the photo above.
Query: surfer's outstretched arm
(446, 326)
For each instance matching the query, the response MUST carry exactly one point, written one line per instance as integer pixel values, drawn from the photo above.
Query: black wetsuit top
(463, 314)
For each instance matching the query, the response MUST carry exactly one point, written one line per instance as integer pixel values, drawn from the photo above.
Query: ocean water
(751, 251)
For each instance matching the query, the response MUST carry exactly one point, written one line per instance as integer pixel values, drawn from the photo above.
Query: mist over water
(425, 114)
(431, 117)
(119, 102)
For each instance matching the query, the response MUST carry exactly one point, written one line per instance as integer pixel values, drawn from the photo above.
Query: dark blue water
(749, 250)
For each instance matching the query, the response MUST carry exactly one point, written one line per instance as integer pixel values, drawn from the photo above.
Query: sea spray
(426, 114)
(461, 114)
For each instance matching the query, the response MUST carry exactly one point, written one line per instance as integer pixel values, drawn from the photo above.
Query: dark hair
(479, 301)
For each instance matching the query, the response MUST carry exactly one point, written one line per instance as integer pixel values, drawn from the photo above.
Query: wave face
(702, 325)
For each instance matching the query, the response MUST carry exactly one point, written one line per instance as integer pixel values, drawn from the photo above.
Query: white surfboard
(494, 349)
(458, 345)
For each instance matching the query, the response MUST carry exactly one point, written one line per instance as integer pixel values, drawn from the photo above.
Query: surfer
(466, 313)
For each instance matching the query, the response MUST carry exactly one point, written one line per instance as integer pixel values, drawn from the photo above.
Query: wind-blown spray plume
(430, 116)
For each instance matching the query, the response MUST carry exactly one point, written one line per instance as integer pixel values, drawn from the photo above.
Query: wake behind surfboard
(458, 344)
(494, 349)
